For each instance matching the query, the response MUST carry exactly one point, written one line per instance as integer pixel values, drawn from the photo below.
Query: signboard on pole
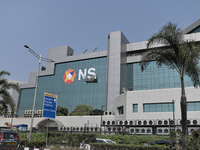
(49, 107)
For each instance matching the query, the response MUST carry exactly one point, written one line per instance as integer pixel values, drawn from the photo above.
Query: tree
(96, 112)
(6, 99)
(61, 111)
(176, 53)
(60, 114)
(1, 111)
(81, 110)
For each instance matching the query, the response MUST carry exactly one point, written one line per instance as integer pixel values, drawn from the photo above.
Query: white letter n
(81, 74)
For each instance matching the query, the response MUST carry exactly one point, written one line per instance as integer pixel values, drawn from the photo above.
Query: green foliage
(172, 135)
(23, 142)
(56, 138)
(96, 112)
(178, 54)
(5, 97)
(194, 140)
(37, 139)
(59, 114)
(34, 136)
(81, 110)
(61, 111)
(133, 139)
(123, 142)
(100, 146)
(33, 143)
(72, 139)
(1, 111)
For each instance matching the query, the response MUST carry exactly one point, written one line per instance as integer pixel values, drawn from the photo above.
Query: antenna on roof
(84, 51)
(185, 25)
(94, 49)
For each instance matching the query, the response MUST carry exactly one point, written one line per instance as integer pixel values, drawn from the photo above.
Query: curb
(27, 148)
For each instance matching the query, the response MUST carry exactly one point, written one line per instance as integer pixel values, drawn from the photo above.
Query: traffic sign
(49, 107)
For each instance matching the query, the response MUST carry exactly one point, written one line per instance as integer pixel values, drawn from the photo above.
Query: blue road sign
(49, 107)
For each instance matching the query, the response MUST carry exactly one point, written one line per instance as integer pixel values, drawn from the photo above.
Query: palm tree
(176, 53)
(5, 97)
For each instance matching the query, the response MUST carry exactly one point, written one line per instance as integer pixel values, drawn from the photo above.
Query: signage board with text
(49, 106)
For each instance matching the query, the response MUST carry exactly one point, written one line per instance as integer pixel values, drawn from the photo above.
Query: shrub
(98, 146)
(33, 143)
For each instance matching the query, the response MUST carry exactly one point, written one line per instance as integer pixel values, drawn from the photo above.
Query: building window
(193, 106)
(158, 107)
(154, 78)
(135, 108)
(120, 110)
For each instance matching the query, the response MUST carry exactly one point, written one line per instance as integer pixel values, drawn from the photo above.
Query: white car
(86, 146)
(99, 140)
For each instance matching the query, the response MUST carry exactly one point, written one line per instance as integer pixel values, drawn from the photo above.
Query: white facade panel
(155, 96)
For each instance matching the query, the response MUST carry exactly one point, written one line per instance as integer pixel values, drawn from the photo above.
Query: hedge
(100, 146)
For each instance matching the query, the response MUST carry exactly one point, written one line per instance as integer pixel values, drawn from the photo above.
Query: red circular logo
(69, 76)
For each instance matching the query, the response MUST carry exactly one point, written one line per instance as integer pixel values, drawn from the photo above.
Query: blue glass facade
(26, 100)
(135, 108)
(73, 94)
(196, 30)
(154, 77)
(193, 106)
(158, 107)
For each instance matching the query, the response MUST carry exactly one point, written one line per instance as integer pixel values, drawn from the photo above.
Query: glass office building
(73, 94)
(100, 78)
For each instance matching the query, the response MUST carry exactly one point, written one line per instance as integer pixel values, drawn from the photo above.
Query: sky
(81, 24)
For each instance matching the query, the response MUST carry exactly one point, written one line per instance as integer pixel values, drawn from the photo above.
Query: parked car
(86, 145)
(9, 140)
(99, 140)
(167, 142)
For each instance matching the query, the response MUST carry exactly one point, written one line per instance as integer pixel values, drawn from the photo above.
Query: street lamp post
(36, 85)
(173, 113)
(101, 120)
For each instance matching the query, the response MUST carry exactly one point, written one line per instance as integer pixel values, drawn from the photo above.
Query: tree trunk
(184, 115)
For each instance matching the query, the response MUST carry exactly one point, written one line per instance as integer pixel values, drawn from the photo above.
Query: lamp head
(26, 46)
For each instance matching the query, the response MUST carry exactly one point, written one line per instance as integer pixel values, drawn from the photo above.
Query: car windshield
(10, 135)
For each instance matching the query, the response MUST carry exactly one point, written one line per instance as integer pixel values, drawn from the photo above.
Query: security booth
(21, 127)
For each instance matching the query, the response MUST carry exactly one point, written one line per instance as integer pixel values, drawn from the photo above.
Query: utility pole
(173, 113)
(101, 119)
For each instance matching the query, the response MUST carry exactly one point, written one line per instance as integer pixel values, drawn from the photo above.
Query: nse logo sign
(70, 75)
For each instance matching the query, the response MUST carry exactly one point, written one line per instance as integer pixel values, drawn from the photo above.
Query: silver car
(9, 140)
